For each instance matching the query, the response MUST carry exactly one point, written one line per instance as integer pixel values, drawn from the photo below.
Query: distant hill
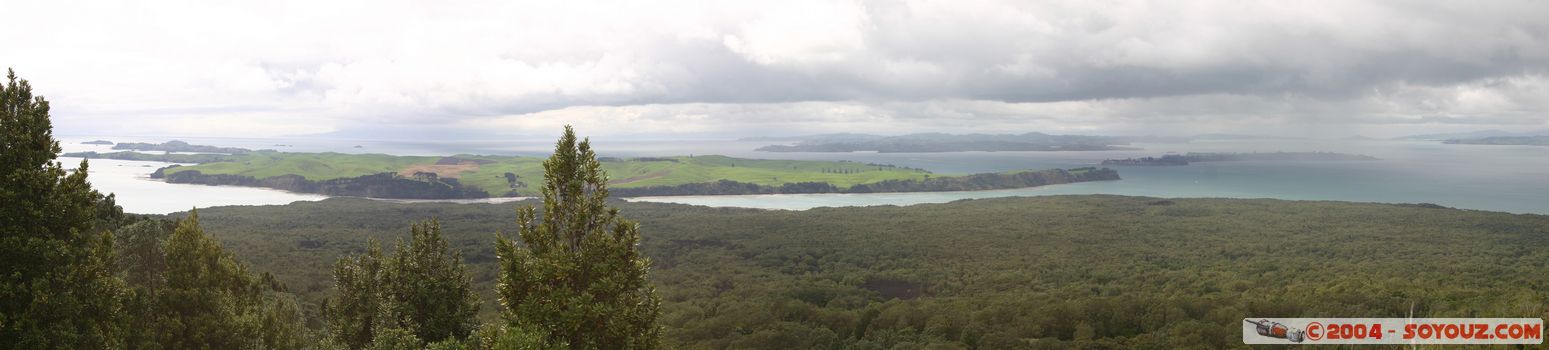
(179, 146)
(1503, 140)
(1196, 157)
(942, 142)
(1472, 135)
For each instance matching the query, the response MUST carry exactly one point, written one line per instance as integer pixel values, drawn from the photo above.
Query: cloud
(706, 67)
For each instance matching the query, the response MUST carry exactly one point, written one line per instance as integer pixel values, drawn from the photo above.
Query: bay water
(1486, 177)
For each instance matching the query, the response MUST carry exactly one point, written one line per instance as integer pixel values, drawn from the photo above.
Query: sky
(694, 69)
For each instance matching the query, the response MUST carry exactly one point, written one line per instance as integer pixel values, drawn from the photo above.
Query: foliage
(358, 312)
(505, 337)
(1040, 272)
(430, 286)
(575, 275)
(421, 293)
(57, 289)
(210, 300)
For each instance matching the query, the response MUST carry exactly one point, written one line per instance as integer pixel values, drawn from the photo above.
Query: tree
(57, 289)
(211, 301)
(421, 294)
(143, 264)
(354, 316)
(142, 256)
(575, 274)
(430, 287)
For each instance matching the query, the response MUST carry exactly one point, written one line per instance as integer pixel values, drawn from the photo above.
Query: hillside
(1043, 272)
(467, 176)
(488, 173)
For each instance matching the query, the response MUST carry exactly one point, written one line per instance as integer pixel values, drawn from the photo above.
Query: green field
(489, 171)
(313, 166)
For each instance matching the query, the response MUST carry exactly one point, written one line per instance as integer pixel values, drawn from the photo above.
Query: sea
(1512, 179)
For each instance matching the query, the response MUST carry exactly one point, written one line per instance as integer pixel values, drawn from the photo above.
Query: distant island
(1192, 157)
(97, 142)
(939, 142)
(178, 146)
(151, 157)
(1502, 140)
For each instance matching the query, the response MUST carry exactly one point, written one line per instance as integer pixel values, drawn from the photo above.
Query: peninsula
(1193, 157)
(178, 146)
(482, 176)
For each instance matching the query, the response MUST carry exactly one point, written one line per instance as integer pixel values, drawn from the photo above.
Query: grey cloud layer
(1331, 53)
(726, 65)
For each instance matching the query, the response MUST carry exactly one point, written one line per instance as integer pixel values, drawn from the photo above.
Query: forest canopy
(1042, 272)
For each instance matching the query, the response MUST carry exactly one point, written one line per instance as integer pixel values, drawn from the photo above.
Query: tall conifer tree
(574, 274)
(57, 286)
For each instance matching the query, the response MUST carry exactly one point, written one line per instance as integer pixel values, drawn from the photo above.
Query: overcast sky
(739, 68)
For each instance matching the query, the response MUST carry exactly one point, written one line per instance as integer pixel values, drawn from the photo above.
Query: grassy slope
(627, 173)
(313, 166)
(1139, 271)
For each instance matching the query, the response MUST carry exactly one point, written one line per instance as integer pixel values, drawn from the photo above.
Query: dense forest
(1017, 273)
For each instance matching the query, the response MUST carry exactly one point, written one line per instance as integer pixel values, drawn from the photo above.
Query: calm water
(138, 193)
(1499, 178)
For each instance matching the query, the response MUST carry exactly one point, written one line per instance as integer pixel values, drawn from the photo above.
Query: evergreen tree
(143, 264)
(142, 255)
(210, 301)
(422, 293)
(354, 316)
(57, 286)
(429, 286)
(575, 275)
